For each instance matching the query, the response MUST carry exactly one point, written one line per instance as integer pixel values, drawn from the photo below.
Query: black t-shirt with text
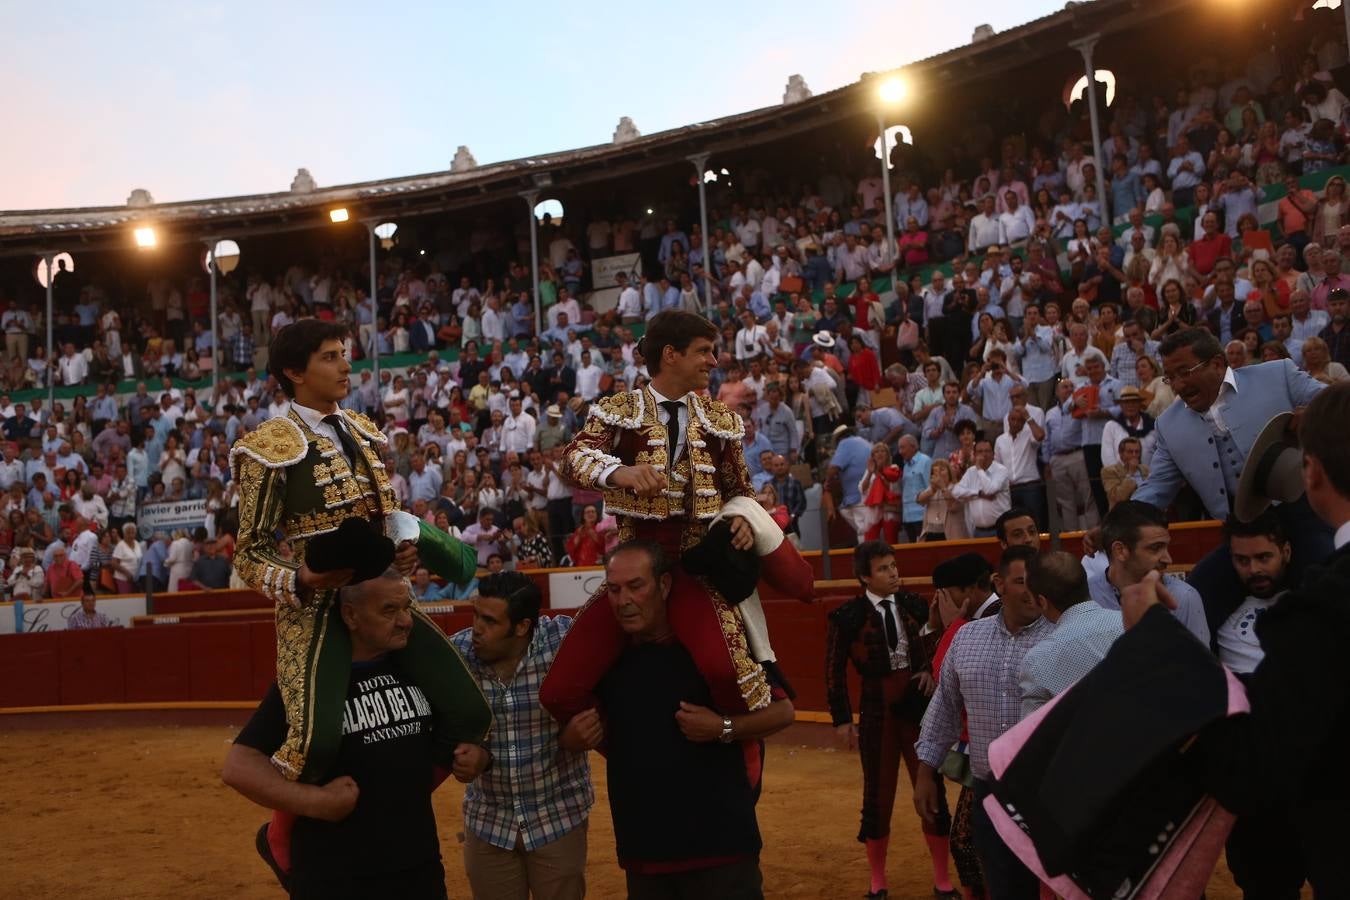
(387, 749)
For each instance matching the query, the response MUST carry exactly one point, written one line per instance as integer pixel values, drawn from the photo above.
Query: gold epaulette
(275, 443)
(719, 419)
(368, 429)
(624, 410)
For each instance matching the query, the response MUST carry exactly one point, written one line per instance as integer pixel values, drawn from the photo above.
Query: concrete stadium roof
(108, 228)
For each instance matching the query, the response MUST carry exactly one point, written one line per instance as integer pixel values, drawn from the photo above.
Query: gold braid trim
(750, 677)
(276, 443)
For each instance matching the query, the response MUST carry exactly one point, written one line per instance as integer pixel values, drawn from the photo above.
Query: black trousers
(734, 881)
(560, 525)
(1265, 856)
(1005, 878)
(1092, 459)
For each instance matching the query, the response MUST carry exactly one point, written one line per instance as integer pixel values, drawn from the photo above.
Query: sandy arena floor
(95, 810)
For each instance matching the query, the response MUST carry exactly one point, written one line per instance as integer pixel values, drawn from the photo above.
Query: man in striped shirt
(980, 674)
(526, 817)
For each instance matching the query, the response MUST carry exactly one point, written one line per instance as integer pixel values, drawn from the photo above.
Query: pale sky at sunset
(194, 100)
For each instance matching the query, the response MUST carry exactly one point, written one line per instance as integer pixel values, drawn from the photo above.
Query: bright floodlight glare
(710, 175)
(145, 237)
(339, 215)
(385, 230)
(892, 90)
(649, 210)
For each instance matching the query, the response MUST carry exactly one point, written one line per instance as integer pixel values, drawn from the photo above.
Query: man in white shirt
(1079, 352)
(518, 429)
(1306, 321)
(630, 301)
(752, 341)
(74, 367)
(1137, 225)
(1260, 550)
(1062, 217)
(12, 469)
(1017, 223)
(1017, 450)
(492, 322)
(588, 378)
(985, 490)
(985, 230)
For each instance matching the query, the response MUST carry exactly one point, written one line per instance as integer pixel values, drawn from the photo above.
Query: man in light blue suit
(1203, 440)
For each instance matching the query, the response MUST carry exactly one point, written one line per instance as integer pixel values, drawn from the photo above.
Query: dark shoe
(877, 895)
(265, 851)
(940, 894)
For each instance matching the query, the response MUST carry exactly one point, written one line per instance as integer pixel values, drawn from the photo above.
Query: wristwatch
(726, 735)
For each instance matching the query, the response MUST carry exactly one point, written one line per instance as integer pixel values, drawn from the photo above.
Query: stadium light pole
(700, 163)
(531, 199)
(889, 93)
(1085, 46)
(221, 256)
(46, 277)
(385, 232)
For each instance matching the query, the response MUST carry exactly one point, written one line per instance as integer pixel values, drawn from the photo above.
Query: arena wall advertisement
(52, 615)
(571, 590)
(604, 271)
(170, 516)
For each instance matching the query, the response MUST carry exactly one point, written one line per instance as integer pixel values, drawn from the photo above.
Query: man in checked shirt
(980, 674)
(525, 818)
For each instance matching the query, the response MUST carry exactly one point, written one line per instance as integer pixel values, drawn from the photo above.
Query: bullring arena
(125, 799)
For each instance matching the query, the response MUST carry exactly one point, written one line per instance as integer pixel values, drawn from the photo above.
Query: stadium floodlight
(338, 215)
(224, 256)
(42, 274)
(892, 90)
(49, 264)
(145, 237)
(385, 232)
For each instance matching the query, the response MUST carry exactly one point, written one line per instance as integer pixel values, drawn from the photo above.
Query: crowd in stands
(1005, 349)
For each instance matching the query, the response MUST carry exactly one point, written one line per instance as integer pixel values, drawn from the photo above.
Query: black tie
(892, 633)
(672, 427)
(346, 440)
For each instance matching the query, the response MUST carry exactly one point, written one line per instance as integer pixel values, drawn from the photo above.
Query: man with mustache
(1204, 441)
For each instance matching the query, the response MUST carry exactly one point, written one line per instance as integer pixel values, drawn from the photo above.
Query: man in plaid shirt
(525, 818)
(980, 673)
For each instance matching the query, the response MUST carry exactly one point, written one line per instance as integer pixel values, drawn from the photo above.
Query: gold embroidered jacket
(296, 482)
(625, 430)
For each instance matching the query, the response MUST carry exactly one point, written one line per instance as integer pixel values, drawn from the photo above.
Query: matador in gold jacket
(706, 480)
(296, 484)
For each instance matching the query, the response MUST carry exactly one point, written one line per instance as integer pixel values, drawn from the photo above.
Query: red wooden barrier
(91, 667)
(30, 669)
(156, 664)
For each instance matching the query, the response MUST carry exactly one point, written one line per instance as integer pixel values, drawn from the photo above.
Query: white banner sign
(170, 516)
(603, 271)
(571, 590)
(52, 615)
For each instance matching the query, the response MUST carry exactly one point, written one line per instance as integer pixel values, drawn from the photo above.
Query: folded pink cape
(1183, 867)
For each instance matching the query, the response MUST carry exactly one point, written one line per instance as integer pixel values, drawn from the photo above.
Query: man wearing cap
(1132, 422)
(846, 467)
(1205, 440)
(551, 433)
